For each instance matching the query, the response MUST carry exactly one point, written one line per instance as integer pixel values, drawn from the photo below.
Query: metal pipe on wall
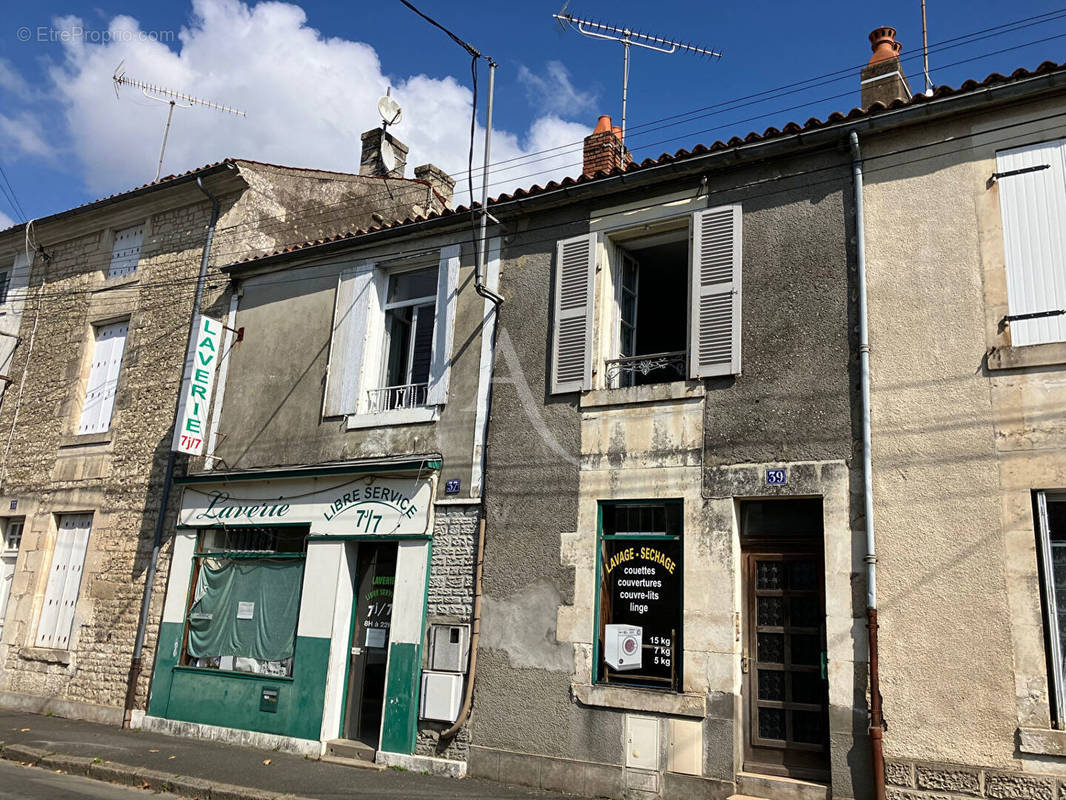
(876, 720)
(168, 473)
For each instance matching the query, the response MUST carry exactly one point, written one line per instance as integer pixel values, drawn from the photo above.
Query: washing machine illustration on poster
(622, 646)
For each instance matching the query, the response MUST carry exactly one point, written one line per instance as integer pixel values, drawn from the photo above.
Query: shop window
(1051, 536)
(639, 608)
(246, 599)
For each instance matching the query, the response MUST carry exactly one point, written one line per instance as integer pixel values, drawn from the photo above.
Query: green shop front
(295, 606)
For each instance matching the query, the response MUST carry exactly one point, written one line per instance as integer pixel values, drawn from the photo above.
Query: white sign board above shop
(192, 421)
(334, 505)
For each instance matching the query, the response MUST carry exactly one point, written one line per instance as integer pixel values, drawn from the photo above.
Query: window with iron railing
(410, 312)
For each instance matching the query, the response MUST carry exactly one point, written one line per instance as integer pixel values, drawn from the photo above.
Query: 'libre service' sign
(192, 425)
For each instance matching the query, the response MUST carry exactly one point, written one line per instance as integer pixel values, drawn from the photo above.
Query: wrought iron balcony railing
(661, 367)
(390, 398)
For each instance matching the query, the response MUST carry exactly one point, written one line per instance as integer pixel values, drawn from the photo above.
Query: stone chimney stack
(882, 78)
(441, 181)
(371, 163)
(604, 149)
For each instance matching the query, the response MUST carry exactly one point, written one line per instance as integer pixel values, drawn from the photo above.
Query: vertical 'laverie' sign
(192, 426)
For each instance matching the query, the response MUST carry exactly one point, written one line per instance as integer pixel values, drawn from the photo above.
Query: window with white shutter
(64, 582)
(126, 251)
(714, 290)
(575, 278)
(1032, 195)
(110, 342)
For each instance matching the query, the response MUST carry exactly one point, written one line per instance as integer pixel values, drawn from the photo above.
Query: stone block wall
(909, 780)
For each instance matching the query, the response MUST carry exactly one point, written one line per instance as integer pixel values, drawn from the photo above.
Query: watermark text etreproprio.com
(76, 33)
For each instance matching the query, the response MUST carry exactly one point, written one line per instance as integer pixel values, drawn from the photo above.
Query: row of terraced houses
(610, 501)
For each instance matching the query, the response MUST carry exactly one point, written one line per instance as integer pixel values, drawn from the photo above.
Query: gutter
(136, 662)
(877, 724)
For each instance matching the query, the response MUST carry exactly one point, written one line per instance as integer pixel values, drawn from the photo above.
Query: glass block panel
(771, 723)
(771, 685)
(771, 648)
(769, 575)
(808, 727)
(771, 611)
(808, 687)
(805, 649)
(803, 575)
(804, 612)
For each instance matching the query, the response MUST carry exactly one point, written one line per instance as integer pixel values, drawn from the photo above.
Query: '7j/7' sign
(192, 425)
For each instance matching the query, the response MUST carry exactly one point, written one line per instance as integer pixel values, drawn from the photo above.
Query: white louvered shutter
(64, 581)
(103, 378)
(444, 325)
(714, 292)
(575, 278)
(1033, 205)
(355, 292)
(126, 251)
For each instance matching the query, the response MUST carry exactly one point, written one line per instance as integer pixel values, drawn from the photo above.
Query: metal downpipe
(876, 719)
(136, 662)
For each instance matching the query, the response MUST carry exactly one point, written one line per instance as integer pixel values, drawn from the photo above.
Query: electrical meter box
(622, 646)
(442, 696)
(449, 647)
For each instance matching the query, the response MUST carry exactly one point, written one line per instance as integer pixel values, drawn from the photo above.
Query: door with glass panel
(786, 690)
(10, 538)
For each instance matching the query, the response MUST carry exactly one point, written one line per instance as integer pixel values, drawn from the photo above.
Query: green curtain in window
(231, 590)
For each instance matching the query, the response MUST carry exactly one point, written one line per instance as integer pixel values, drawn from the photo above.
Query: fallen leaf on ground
(24, 730)
(171, 757)
(266, 762)
(153, 751)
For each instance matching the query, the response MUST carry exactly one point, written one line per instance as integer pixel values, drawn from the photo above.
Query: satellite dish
(390, 111)
(388, 155)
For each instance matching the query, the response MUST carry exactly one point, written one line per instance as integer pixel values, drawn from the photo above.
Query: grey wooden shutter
(444, 325)
(347, 344)
(714, 292)
(575, 277)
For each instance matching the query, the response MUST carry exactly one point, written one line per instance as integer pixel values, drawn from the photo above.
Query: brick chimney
(882, 78)
(370, 162)
(604, 149)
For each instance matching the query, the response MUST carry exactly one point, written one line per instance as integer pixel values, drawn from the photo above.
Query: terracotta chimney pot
(617, 132)
(884, 44)
(603, 124)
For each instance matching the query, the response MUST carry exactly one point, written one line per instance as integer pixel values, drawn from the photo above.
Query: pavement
(194, 768)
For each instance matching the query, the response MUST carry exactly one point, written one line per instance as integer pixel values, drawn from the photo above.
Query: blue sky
(308, 75)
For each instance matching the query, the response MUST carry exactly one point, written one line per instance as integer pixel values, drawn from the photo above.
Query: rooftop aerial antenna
(628, 37)
(170, 96)
(925, 53)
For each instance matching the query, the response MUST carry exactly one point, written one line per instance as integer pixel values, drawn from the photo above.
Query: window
(5, 281)
(109, 344)
(392, 336)
(64, 581)
(246, 599)
(9, 551)
(1031, 182)
(673, 290)
(1051, 535)
(639, 636)
(126, 251)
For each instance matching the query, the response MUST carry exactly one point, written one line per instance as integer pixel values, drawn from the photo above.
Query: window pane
(423, 344)
(398, 323)
(412, 285)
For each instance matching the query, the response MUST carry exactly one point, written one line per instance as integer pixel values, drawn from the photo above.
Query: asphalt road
(21, 783)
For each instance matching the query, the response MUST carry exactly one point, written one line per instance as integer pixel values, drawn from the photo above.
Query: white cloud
(5, 221)
(308, 98)
(23, 134)
(11, 81)
(554, 92)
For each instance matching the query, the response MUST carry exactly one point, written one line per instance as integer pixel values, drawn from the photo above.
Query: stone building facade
(116, 279)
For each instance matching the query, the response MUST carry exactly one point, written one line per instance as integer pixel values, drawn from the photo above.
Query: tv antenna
(169, 96)
(628, 38)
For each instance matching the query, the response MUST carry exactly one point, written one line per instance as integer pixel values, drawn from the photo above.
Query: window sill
(1042, 741)
(80, 440)
(228, 673)
(119, 282)
(631, 395)
(1033, 355)
(47, 655)
(399, 416)
(634, 699)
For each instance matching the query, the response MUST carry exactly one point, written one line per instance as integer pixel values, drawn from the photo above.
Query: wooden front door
(786, 691)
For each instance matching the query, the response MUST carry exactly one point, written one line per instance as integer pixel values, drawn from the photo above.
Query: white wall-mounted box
(449, 647)
(442, 696)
